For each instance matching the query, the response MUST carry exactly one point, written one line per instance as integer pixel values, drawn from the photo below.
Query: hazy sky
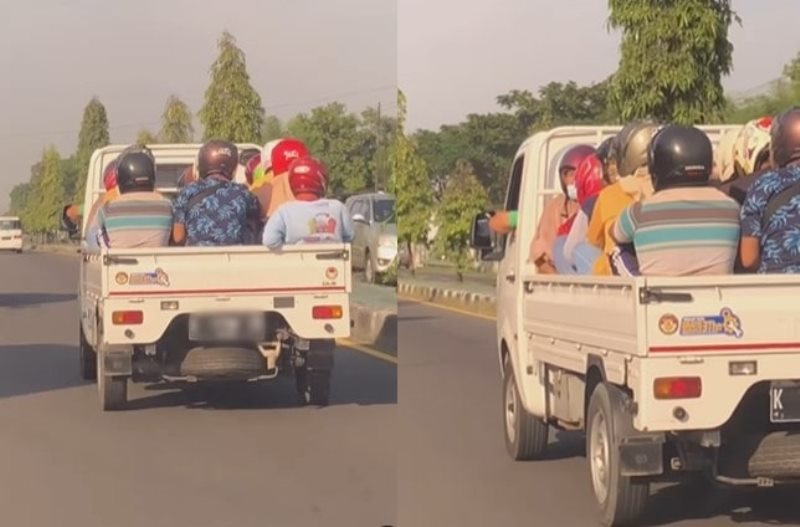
(56, 54)
(455, 56)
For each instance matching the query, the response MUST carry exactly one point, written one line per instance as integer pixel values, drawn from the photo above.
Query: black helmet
(785, 138)
(136, 172)
(680, 156)
(217, 158)
(604, 150)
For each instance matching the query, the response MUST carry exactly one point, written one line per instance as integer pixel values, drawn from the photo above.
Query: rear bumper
(157, 318)
(10, 245)
(721, 392)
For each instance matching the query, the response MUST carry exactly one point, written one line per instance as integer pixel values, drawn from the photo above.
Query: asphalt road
(178, 458)
(453, 468)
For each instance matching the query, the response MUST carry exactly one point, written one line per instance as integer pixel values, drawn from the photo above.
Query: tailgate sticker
(157, 277)
(727, 323)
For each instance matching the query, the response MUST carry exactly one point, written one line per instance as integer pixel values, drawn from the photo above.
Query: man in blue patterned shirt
(770, 215)
(214, 210)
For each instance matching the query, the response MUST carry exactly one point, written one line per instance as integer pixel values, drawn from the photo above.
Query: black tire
(313, 387)
(621, 499)
(87, 358)
(525, 434)
(223, 363)
(369, 269)
(113, 391)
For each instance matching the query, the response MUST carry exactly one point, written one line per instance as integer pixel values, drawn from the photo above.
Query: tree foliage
(784, 93)
(176, 122)
(464, 197)
(146, 137)
(273, 129)
(411, 184)
(18, 199)
(673, 57)
(46, 195)
(93, 135)
(232, 108)
(341, 141)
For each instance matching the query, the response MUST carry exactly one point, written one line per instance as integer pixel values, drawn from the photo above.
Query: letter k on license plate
(784, 400)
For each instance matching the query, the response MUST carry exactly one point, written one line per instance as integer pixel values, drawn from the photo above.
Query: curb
(463, 300)
(376, 328)
(54, 249)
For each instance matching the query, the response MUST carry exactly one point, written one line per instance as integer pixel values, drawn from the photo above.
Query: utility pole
(378, 157)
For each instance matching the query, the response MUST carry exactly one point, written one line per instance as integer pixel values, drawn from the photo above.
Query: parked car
(375, 244)
(10, 234)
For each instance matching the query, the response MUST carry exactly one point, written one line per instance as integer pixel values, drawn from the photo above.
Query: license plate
(227, 328)
(784, 399)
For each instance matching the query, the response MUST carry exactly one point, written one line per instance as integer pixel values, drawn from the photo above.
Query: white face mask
(572, 192)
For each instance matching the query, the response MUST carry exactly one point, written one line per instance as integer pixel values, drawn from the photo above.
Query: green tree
(46, 195)
(784, 93)
(381, 130)
(146, 137)
(464, 197)
(70, 175)
(338, 138)
(232, 108)
(673, 57)
(18, 199)
(176, 122)
(273, 129)
(411, 185)
(93, 135)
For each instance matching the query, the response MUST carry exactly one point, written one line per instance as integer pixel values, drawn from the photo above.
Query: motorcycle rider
(310, 218)
(216, 211)
(687, 227)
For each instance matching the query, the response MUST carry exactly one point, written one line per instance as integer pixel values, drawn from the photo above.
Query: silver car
(375, 224)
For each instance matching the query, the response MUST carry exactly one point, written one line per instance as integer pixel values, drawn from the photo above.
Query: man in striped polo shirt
(139, 217)
(686, 227)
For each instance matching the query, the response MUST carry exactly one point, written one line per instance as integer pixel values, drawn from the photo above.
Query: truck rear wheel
(313, 386)
(113, 391)
(621, 499)
(525, 434)
(87, 358)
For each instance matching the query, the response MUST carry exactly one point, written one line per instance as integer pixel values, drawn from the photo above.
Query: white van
(10, 234)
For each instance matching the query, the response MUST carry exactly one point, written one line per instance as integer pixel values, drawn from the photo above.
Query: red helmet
(589, 178)
(308, 175)
(110, 175)
(571, 159)
(250, 168)
(285, 152)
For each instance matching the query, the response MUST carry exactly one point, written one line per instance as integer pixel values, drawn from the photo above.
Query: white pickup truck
(670, 378)
(241, 313)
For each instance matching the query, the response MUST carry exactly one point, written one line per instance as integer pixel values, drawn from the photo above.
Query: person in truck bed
(770, 215)
(687, 227)
(311, 218)
(139, 216)
(750, 158)
(215, 211)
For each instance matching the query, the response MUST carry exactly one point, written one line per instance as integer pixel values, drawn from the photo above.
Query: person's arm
(625, 226)
(275, 231)
(503, 221)
(179, 218)
(750, 221)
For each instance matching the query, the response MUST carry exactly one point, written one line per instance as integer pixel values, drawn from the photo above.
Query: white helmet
(266, 153)
(752, 146)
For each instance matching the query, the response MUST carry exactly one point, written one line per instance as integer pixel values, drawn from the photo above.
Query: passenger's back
(137, 219)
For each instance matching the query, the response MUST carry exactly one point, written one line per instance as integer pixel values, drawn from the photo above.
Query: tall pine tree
(93, 135)
(176, 122)
(47, 195)
(232, 108)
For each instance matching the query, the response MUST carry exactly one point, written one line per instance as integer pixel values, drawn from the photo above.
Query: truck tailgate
(182, 271)
(727, 314)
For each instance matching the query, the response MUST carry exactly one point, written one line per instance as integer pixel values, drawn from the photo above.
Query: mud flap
(320, 354)
(640, 453)
(117, 360)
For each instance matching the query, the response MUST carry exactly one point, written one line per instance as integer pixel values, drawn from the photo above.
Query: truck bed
(650, 327)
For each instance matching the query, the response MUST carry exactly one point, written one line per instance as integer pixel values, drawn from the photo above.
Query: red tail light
(678, 388)
(327, 312)
(127, 318)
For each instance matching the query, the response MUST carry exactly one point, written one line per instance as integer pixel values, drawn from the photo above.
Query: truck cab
(669, 378)
(207, 314)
